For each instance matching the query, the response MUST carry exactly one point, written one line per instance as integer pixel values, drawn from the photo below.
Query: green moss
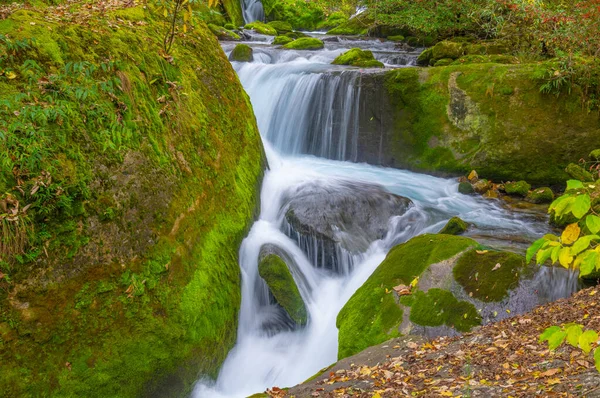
(465, 188)
(262, 28)
(233, 9)
(439, 307)
(305, 43)
(443, 62)
(281, 27)
(222, 33)
(425, 57)
(475, 273)
(241, 53)
(520, 188)
(595, 155)
(397, 38)
(282, 40)
(278, 277)
(447, 50)
(455, 226)
(152, 292)
(358, 25)
(301, 14)
(579, 173)
(372, 316)
(541, 195)
(334, 20)
(358, 57)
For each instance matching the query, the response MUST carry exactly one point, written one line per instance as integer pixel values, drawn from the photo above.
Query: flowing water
(306, 112)
(253, 10)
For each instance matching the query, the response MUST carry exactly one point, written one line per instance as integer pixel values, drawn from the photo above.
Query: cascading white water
(298, 102)
(253, 10)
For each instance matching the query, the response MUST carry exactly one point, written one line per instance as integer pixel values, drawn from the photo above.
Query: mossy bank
(488, 117)
(142, 171)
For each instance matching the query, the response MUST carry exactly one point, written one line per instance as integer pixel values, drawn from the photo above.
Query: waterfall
(253, 10)
(306, 110)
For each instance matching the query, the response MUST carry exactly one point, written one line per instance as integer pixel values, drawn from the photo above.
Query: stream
(306, 111)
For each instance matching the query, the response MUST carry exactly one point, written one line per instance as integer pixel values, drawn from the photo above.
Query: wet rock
(425, 57)
(273, 268)
(358, 57)
(281, 27)
(261, 28)
(242, 53)
(482, 186)
(466, 188)
(344, 215)
(579, 173)
(305, 43)
(520, 188)
(455, 226)
(540, 195)
(282, 40)
(396, 38)
(447, 50)
(492, 194)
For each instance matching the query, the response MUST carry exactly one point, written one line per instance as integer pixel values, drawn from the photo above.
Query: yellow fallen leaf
(552, 382)
(550, 372)
(10, 75)
(481, 251)
(570, 234)
(593, 292)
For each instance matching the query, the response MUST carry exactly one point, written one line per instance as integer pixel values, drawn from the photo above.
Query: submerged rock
(358, 57)
(273, 268)
(242, 53)
(455, 226)
(305, 43)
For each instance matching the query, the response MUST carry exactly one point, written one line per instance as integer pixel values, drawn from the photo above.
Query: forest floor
(503, 359)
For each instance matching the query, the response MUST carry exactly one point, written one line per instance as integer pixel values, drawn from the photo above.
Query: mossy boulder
(595, 155)
(488, 275)
(275, 272)
(541, 195)
(443, 62)
(447, 50)
(242, 53)
(438, 307)
(296, 35)
(223, 34)
(373, 315)
(281, 27)
(282, 40)
(358, 57)
(305, 43)
(262, 28)
(425, 57)
(141, 299)
(519, 188)
(229, 26)
(579, 173)
(233, 9)
(359, 25)
(397, 38)
(466, 188)
(455, 226)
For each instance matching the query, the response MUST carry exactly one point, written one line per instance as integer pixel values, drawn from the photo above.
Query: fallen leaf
(550, 372)
(481, 251)
(496, 267)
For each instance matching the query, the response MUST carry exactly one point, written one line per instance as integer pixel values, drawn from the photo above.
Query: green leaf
(549, 332)
(534, 248)
(581, 205)
(593, 223)
(574, 184)
(573, 334)
(597, 358)
(558, 202)
(586, 339)
(564, 207)
(556, 340)
(582, 243)
(555, 253)
(543, 255)
(588, 262)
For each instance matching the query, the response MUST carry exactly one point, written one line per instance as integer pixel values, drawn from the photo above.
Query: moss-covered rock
(301, 14)
(281, 27)
(595, 155)
(447, 50)
(242, 53)
(457, 118)
(466, 188)
(541, 195)
(455, 226)
(519, 188)
(276, 274)
(359, 25)
(296, 35)
(439, 307)
(443, 62)
(137, 288)
(305, 43)
(233, 9)
(358, 57)
(487, 275)
(579, 173)
(282, 40)
(223, 34)
(397, 38)
(372, 315)
(425, 57)
(262, 28)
